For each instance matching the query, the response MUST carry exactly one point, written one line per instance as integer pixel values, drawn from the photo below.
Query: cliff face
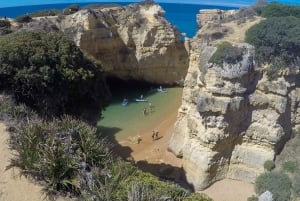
(232, 118)
(131, 42)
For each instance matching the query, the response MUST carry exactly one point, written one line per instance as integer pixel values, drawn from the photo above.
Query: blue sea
(181, 14)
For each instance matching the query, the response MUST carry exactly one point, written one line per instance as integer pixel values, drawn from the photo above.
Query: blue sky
(5, 3)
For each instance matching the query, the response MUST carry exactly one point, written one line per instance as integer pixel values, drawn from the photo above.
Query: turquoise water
(128, 121)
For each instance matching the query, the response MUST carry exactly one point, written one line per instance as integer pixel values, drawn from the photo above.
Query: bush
(23, 19)
(73, 8)
(296, 186)
(279, 10)
(217, 35)
(4, 24)
(43, 13)
(269, 165)
(54, 151)
(48, 72)
(290, 166)
(226, 53)
(276, 41)
(252, 198)
(277, 183)
(197, 197)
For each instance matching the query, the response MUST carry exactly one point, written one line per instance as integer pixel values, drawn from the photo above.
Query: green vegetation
(269, 165)
(278, 183)
(73, 8)
(252, 198)
(43, 13)
(276, 41)
(48, 72)
(5, 27)
(290, 166)
(296, 186)
(23, 19)
(4, 24)
(279, 10)
(226, 53)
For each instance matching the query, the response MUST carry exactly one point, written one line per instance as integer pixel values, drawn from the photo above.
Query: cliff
(232, 118)
(131, 42)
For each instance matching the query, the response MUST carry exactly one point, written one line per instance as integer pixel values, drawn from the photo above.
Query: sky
(238, 3)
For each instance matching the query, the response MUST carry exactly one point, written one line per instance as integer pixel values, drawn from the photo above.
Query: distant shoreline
(15, 11)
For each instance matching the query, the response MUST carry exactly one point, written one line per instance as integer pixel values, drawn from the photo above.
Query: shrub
(296, 186)
(42, 13)
(290, 166)
(23, 19)
(252, 198)
(4, 24)
(197, 197)
(279, 10)
(277, 183)
(4, 31)
(276, 41)
(226, 53)
(269, 165)
(54, 151)
(48, 72)
(217, 35)
(73, 8)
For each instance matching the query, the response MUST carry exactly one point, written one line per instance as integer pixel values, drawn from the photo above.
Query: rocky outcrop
(131, 42)
(232, 118)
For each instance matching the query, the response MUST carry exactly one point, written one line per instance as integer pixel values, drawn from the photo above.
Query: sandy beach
(151, 156)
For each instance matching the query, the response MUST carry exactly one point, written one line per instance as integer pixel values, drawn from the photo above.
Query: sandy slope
(14, 187)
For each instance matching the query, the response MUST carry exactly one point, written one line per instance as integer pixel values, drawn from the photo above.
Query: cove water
(125, 122)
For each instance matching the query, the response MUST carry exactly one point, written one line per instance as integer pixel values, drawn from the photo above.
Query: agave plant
(60, 169)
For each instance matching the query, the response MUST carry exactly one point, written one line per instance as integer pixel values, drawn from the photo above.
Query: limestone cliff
(131, 42)
(232, 118)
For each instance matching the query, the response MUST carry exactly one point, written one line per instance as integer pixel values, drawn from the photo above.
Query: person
(156, 135)
(160, 88)
(144, 111)
(150, 107)
(153, 135)
(142, 97)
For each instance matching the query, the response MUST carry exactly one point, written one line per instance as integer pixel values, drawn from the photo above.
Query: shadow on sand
(163, 171)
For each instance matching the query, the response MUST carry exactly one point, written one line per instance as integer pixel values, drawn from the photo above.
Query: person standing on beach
(150, 107)
(156, 134)
(153, 135)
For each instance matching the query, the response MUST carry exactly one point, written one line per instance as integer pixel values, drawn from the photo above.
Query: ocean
(183, 16)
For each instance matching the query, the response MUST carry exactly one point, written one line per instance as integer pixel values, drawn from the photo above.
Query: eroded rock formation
(232, 118)
(131, 42)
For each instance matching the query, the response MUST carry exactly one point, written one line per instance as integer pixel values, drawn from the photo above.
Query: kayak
(140, 100)
(161, 90)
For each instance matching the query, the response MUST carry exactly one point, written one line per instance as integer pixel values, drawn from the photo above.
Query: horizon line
(220, 4)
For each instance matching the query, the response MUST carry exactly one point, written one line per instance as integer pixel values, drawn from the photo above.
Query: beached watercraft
(161, 90)
(140, 100)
